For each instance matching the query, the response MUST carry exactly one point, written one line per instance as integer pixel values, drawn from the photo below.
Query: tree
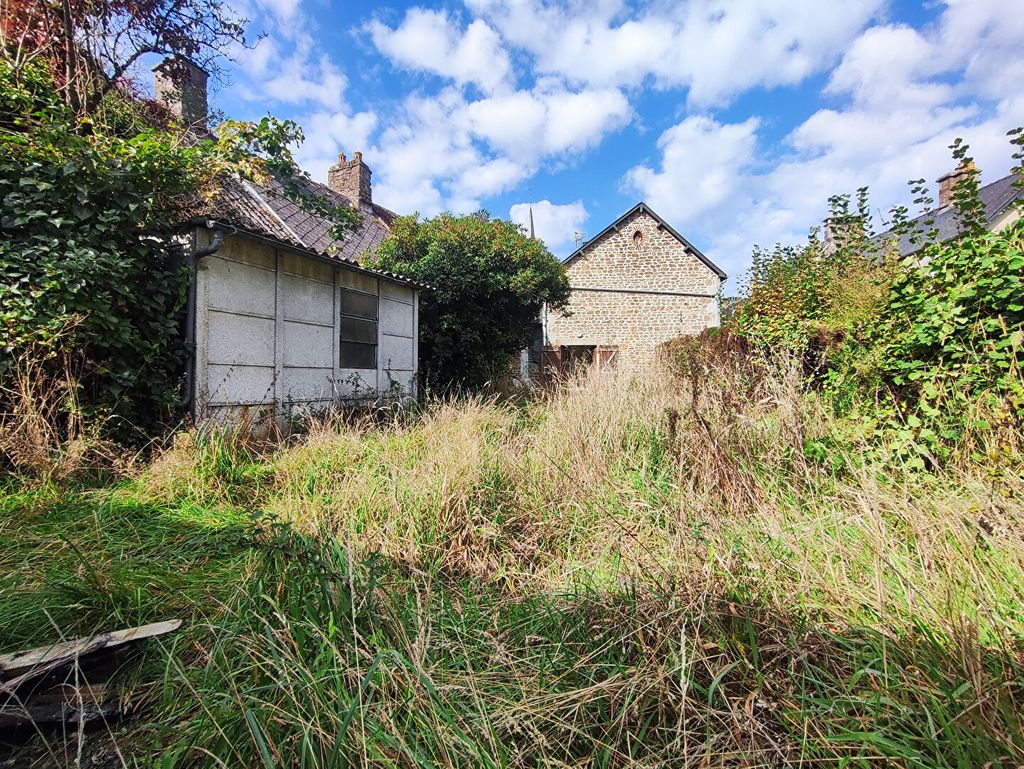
(488, 282)
(92, 45)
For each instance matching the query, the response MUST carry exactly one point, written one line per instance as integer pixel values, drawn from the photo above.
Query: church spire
(532, 237)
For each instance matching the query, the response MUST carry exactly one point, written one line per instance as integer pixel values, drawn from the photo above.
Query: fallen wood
(63, 704)
(68, 682)
(18, 667)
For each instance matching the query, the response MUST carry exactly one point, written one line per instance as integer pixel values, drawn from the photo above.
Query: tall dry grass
(44, 433)
(705, 570)
(614, 477)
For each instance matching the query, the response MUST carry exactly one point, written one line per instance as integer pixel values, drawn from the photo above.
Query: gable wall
(1005, 219)
(659, 263)
(268, 326)
(641, 306)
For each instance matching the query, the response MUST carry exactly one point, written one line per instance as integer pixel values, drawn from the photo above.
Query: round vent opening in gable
(637, 238)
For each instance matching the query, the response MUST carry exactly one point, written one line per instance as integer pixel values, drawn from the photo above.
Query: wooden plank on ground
(19, 666)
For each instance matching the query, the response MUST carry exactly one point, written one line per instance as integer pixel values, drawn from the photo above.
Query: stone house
(638, 283)
(281, 316)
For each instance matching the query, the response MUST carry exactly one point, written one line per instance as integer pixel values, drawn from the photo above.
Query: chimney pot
(181, 86)
(351, 178)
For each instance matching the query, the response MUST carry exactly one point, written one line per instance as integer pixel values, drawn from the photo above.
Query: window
(358, 330)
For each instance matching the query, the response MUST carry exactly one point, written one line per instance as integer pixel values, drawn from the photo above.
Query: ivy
(92, 254)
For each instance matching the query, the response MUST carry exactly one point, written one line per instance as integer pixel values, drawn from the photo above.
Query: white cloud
(703, 164)
(328, 133)
(533, 84)
(302, 79)
(283, 9)
(889, 66)
(907, 94)
(432, 41)
(509, 123)
(289, 69)
(554, 223)
(577, 121)
(490, 177)
(448, 151)
(715, 48)
(286, 70)
(547, 120)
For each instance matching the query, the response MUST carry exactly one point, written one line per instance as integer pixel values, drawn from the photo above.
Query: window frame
(349, 316)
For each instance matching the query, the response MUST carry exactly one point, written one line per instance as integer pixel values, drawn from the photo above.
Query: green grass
(559, 584)
(74, 562)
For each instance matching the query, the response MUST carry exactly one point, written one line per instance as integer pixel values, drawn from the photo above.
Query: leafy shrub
(952, 332)
(488, 283)
(88, 240)
(798, 296)
(927, 350)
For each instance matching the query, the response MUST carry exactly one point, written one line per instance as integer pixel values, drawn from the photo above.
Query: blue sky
(734, 119)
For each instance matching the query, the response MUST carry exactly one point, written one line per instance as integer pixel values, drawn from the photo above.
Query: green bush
(928, 349)
(951, 335)
(87, 252)
(488, 282)
(796, 296)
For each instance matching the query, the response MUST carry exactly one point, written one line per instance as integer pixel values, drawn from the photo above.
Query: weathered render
(635, 285)
(270, 324)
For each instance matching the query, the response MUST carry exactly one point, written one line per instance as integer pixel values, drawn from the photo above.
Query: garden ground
(621, 574)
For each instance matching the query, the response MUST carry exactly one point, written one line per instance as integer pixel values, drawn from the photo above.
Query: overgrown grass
(639, 574)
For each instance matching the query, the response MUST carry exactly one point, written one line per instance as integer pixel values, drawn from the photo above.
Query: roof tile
(268, 211)
(996, 197)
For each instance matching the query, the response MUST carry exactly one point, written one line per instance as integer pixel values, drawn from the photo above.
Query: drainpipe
(190, 319)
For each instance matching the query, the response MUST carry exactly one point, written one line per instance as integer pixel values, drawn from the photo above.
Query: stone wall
(632, 265)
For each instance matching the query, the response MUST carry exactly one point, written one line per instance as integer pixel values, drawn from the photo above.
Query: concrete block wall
(268, 329)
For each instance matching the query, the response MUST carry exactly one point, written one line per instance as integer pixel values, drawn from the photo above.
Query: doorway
(561, 361)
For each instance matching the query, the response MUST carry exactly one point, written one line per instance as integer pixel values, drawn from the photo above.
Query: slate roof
(265, 211)
(996, 197)
(644, 208)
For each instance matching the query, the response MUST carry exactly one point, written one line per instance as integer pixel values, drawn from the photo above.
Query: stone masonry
(635, 286)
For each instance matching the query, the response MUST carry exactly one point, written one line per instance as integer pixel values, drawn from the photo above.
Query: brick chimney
(181, 86)
(352, 179)
(947, 182)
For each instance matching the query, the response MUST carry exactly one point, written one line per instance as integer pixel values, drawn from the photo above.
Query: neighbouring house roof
(997, 197)
(643, 208)
(265, 211)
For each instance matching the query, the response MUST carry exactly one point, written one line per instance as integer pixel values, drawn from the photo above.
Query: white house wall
(397, 350)
(268, 328)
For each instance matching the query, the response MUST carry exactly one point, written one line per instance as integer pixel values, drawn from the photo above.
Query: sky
(735, 120)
